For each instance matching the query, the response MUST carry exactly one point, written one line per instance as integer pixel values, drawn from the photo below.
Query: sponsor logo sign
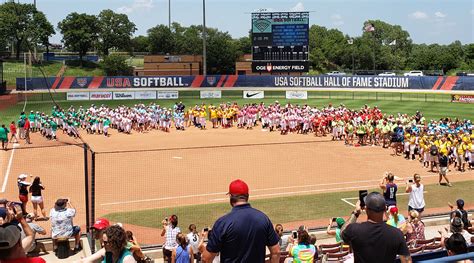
(145, 95)
(252, 94)
(463, 98)
(211, 94)
(280, 66)
(100, 95)
(124, 95)
(167, 95)
(82, 82)
(78, 96)
(296, 94)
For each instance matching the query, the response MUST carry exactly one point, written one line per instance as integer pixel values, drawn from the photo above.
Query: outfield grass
(13, 70)
(431, 110)
(290, 208)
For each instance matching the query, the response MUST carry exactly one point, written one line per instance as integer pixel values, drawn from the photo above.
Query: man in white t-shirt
(416, 201)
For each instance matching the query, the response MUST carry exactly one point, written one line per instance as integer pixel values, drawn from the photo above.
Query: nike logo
(248, 95)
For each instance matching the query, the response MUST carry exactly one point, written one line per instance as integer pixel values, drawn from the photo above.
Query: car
(336, 73)
(413, 73)
(387, 74)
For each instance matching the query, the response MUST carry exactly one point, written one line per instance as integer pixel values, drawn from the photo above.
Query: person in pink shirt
(13, 131)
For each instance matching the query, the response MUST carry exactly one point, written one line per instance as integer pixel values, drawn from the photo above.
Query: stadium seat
(325, 246)
(416, 250)
(335, 256)
(283, 256)
(432, 247)
(420, 242)
(331, 250)
(437, 240)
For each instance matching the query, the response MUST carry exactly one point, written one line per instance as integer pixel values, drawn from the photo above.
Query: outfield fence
(279, 94)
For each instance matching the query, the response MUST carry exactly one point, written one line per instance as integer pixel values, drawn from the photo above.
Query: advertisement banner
(296, 94)
(280, 66)
(100, 95)
(250, 94)
(167, 95)
(145, 95)
(463, 98)
(78, 96)
(124, 95)
(211, 94)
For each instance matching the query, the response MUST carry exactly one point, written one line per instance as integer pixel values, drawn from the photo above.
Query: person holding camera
(339, 221)
(171, 230)
(62, 225)
(374, 240)
(389, 188)
(416, 189)
(12, 246)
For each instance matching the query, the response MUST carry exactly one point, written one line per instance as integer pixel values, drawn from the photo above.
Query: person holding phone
(389, 188)
(171, 230)
(302, 250)
(338, 222)
(416, 189)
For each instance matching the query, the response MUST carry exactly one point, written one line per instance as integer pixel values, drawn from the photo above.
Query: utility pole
(204, 55)
(169, 14)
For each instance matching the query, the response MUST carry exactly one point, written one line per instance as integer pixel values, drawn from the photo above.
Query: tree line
(23, 27)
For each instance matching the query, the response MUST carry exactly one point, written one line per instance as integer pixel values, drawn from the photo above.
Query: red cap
(238, 187)
(101, 224)
(393, 210)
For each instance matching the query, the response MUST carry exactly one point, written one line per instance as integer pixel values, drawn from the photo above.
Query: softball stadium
(165, 142)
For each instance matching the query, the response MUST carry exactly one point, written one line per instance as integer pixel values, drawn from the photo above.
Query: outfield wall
(425, 83)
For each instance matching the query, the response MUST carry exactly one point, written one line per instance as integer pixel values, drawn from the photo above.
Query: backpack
(433, 150)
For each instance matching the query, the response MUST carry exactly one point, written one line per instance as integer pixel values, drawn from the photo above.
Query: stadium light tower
(204, 55)
(169, 14)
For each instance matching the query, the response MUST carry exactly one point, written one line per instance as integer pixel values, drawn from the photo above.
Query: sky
(427, 21)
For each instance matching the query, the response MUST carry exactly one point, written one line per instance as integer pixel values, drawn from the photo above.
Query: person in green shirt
(54, 128)
(32, 118)
(4, 136)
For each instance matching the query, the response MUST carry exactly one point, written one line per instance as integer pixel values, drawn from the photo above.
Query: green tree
(116, 65)
(23, 25)
(244, 45)
(140, 44)
(222, 52)
(116, 31)
(80, 32)
(161, 40)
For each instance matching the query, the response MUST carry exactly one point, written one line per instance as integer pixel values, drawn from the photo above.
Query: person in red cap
(243, 234)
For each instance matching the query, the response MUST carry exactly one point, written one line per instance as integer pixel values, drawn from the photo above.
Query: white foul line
(7, 174)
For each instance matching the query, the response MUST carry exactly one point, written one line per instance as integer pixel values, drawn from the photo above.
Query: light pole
(169, 14)
(204, 55)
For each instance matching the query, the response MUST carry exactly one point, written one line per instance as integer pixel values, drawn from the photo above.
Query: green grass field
(291, 208)
(437, 107)
(13, 70)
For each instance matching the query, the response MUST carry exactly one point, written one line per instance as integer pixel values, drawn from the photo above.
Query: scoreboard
(280, 38)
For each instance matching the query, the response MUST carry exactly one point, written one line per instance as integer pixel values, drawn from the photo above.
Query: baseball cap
(375, 202)
(9, 237)
(340, 222)
(22, 176)
(101, 224)
(238, 187)
(393, 210)
(460, 203)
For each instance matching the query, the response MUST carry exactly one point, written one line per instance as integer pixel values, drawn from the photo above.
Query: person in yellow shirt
(461, 155)
(213, 113)
(202, 118)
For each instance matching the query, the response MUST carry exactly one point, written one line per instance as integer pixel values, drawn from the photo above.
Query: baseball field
(295, 179)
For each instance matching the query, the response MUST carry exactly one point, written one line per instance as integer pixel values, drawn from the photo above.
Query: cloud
(419, 15)
(440, 15)
(136, 5)
(337, 20)
(299, 7)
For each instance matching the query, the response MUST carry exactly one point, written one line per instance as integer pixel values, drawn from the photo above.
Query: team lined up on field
(412, 135)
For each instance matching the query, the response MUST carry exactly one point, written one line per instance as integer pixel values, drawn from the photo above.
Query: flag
(369, 27)
(350, 41)
(393, 43)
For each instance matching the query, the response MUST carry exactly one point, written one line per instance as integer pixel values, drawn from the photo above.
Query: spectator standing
(415, 228)
(193, 240)
(284, 239)
(339, 221)
(389, 188)
(171, 230)
(21, 125)
(416, 201)
(4, 136)
(23, 191)
(183, 253)
(36, 189)
(303, 251)
(242, 234)
(13, 132)
(443, 168)
(62, 224)
(114, 241)
(374, 240)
